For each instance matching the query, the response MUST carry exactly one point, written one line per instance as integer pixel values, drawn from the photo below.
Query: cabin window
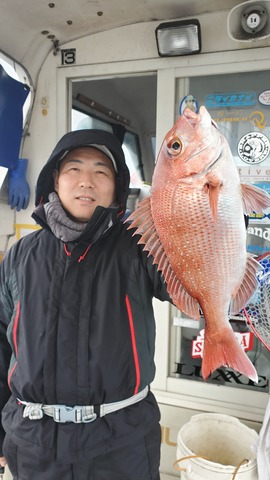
(131, 145)
(81, 120)
(125, 105)
(239, 104)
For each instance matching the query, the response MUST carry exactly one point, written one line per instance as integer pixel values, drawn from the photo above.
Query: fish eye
(174, 146)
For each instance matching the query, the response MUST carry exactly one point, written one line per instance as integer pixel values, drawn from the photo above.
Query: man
(77, 327)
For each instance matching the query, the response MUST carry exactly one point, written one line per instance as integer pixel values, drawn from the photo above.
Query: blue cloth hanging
(12, 97)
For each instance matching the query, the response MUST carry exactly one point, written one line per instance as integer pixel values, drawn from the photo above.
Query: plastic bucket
(216, 447)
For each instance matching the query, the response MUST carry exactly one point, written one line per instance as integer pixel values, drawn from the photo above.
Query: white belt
(78, 414)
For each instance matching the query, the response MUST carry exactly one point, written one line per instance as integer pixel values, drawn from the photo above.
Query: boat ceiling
(30, 28)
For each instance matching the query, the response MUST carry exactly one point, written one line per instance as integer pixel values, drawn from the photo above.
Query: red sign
(244, 338)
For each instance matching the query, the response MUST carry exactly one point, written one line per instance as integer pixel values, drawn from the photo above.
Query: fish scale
(193, 226)
(197, 245)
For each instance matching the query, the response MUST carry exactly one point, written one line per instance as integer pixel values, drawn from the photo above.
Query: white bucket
(216, 447)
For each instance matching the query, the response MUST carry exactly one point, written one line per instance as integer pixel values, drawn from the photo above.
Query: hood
(84, 138)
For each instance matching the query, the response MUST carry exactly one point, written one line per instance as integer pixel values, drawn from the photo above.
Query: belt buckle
(63, 414)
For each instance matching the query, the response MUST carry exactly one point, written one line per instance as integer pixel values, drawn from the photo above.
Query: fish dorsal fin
(254, 199)
(213, 184)
(247, 287)
(141, 219)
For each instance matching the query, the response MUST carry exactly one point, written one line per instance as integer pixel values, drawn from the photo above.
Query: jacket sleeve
(5, 349)
(158, 283)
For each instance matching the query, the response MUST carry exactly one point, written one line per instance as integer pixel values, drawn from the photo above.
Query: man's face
(86, 179)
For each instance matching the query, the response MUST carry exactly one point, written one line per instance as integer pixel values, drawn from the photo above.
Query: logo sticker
(253, 148)
(189, 102)
(264, 97)
(240, 99)
(258, 120)
(245, 339)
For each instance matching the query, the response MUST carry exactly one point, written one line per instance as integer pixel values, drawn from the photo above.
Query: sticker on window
(264, 97)
(239, 99)
(253, 148)
(245, 339)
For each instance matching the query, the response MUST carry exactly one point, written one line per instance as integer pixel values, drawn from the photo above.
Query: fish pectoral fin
(248, 286)
(179, 295)
(224, 350)
(141, 219)
(254, 199)
(184, 302)
(213, 185)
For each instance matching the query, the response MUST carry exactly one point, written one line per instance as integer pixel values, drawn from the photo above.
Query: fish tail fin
(226, 351)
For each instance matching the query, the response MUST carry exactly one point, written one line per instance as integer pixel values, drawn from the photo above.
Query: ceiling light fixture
(178, 38)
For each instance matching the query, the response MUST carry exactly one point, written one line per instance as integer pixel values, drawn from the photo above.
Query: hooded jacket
(77, 324)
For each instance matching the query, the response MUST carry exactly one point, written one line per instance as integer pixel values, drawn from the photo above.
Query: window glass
(240, 105)
(131, 147)
(81, 120)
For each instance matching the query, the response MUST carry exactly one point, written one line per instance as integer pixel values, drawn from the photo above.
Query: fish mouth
(193, 116)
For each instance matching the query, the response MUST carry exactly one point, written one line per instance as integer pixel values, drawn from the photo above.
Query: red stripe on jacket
(134, 346)
(14, 337)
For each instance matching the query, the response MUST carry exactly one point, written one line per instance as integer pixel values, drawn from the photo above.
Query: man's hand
(3, 462)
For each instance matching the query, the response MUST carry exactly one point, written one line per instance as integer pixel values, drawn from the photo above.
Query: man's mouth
(86, 199)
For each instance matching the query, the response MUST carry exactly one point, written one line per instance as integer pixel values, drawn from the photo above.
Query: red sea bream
(193, 226)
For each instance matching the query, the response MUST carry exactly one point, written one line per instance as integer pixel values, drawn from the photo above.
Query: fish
(193, 225)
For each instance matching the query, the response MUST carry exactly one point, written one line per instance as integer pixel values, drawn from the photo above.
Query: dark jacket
(81, 328)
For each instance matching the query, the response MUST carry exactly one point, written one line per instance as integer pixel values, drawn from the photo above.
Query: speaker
(249, 21)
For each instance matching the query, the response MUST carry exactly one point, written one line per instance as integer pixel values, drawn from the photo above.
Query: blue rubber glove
(18, 188)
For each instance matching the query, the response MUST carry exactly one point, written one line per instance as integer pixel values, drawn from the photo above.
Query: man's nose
(87, 180)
